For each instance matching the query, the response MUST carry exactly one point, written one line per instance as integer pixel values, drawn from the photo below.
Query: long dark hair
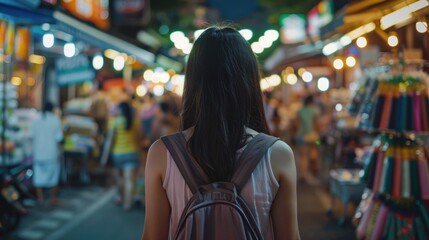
(222, 96)
(126, 111)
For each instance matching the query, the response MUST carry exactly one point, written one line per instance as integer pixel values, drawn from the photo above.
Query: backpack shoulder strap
(191, 171)
(250, 158)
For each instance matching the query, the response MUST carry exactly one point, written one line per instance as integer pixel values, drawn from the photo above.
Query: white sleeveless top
(258, 193)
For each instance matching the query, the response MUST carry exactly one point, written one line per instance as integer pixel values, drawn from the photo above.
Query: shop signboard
(74, 70)
(95, 11)
(9, 38)
(22, 43)
(292, 28)
(319, 16)
(313, 25)
(3, 27)
(131, 11)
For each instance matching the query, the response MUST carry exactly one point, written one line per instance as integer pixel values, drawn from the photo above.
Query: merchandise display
(346, 186)
(24, 117)
(14, 152)
(78, 106)
(396, 173)
(79, 133)
(407, 92)
(397, 166)
(79, 145)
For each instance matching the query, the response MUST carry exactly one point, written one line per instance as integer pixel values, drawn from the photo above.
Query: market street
(87, 213)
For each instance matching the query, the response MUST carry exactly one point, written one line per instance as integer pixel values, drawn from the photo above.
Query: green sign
(292, 28)
(74, 70)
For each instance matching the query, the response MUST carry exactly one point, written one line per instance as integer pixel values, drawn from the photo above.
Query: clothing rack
(393, 101)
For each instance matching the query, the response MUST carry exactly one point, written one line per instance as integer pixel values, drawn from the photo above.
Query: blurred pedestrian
(125, 152)
(100, 113)
(47, 133)
(306, 139)
(148, 111)
(222, 113)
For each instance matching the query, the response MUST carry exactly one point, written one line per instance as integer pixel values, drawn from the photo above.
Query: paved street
(88, 213)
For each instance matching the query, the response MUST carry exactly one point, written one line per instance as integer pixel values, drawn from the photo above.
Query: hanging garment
(388, 170)
(377, 111)
(425, 112)
(394, 112)
(420, 229)
(380, 223)
(423, 213)
(415, 183)
(387, 107)
(424, 178)
(406, 188)
(417, 113)
(402, 113)
(371, 169)
(397, 175)
(388, 227)
(410, 113)
(363, 224)
(379, 171)
(373, 219)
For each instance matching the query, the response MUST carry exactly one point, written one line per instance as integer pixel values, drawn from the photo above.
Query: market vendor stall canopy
(352, 21)
(97, 37)
(18, 12)
(34, 13)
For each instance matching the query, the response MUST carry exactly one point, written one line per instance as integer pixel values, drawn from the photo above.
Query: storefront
(54, 51)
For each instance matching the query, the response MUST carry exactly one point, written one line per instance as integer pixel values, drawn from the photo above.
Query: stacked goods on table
(80, 133)
(9, 142)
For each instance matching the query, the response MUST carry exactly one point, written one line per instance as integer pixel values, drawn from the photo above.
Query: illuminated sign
(319, 16)
(95, 11)
(131, 11)
(292, 28)
(73, 70)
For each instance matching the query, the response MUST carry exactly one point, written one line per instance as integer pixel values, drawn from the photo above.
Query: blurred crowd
(301, 122)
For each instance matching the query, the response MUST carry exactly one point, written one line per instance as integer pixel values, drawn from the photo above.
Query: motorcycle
(12, 193)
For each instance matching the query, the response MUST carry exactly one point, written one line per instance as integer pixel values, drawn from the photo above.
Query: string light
(361, 42)
(393, 40)
(338, 64)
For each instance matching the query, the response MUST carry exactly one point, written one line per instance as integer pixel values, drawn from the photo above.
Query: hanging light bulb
(98, 62)
(350, 61)
(307, 77)
(422, 26)
(69, 49)
(338, 64)
(393, 40)
(119, 63)
(48, 40)
(361, 42)
(323, 84)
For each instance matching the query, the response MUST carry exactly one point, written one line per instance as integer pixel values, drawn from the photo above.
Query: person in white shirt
(46, 133)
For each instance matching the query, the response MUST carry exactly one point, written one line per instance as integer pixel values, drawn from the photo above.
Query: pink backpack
(216, 210)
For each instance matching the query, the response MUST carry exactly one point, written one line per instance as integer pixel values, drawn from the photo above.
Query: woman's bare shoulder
(282, 160)
(157, 158)
(157, 147)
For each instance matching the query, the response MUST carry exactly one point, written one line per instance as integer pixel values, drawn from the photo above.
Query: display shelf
(398, 103)
(9, 130)
(394, 103)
